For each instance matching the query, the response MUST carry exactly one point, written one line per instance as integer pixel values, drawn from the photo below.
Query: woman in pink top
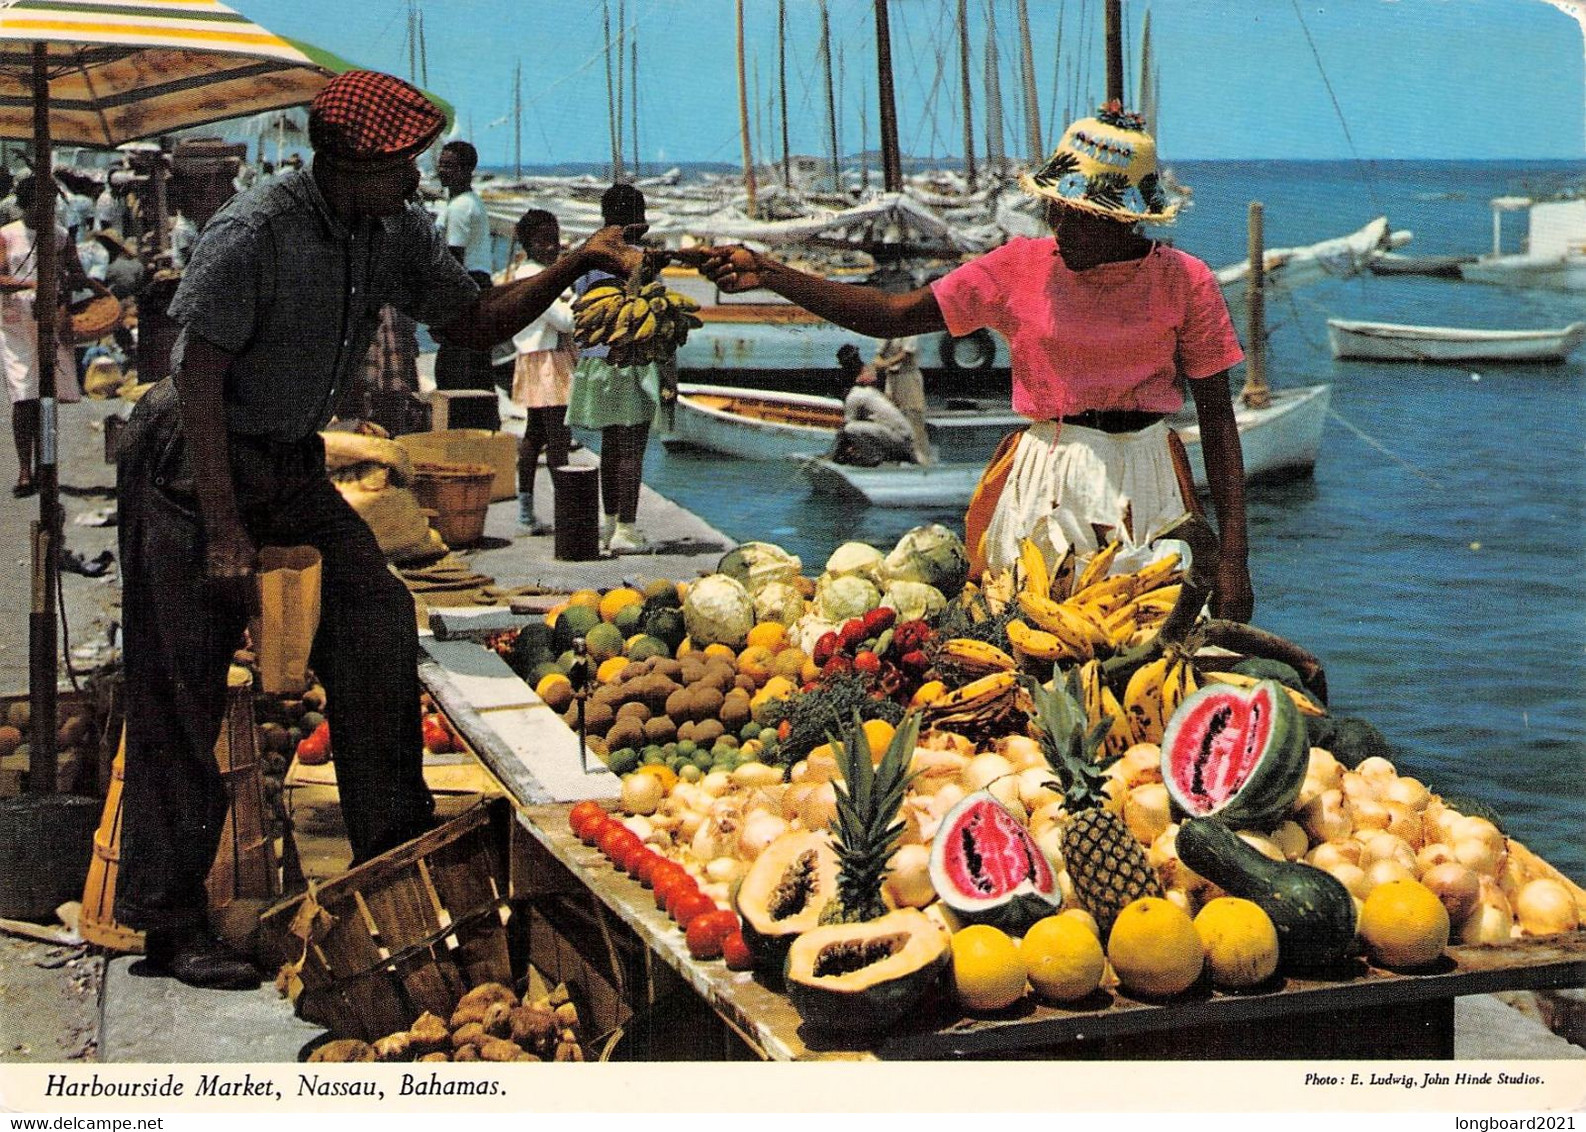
(1104, 326)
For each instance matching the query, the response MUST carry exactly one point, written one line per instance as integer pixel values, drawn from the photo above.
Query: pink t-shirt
(1117, 336)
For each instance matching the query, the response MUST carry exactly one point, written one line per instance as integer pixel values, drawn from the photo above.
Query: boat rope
(1364, 166)
(1372, 442)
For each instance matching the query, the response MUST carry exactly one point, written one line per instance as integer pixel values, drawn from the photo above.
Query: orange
(721, 650)
(770, 635)
(610, 668)
(590, 598)
(1154, 948)
(789, 663)
(1404, 924)
(988, 972)
(878, 733)
(1062, 958)
(615, 601)
(554, 612)
(754, 662)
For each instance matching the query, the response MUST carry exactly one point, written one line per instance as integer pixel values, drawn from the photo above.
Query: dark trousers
(179, 635)
(462, 367)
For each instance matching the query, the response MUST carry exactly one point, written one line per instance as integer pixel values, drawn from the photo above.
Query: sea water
(1436, 560)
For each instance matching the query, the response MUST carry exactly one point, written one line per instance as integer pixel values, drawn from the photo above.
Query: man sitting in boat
(874, 431)
(1106, 328)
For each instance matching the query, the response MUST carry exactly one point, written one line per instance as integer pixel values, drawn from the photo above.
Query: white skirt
(19, 356)
(1068, 481)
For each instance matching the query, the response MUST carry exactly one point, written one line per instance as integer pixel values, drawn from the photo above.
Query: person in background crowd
(225, 456)
(110, 208)
(1105, 327)
(19, 331)
(619, 401)
(77, 199)
(874, 431)
(897, 363)
(8, 201)
(466, 227)
(126, 276)
(543, 370)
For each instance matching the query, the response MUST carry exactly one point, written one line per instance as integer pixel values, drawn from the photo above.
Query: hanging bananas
(1153, 694)
(638, 321)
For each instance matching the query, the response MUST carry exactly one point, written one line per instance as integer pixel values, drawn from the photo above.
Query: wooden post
(1114, 23)
(891, 159)
(42, 637)
(743, 120)
(1256, 393)
(963, 75)
(781, 72)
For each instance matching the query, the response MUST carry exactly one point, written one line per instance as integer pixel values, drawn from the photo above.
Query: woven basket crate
(369, 951)
(459, 494)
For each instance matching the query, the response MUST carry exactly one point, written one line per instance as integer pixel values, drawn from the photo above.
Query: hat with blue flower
(1105, 165)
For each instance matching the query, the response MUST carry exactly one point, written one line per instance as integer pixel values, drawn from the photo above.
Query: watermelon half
(1239, 754)
(987, 868)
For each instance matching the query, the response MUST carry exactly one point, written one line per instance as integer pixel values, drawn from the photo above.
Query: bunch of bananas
(1153, 694)
(968, 657)
(640, 321)
(989, 705)
(1102, 616)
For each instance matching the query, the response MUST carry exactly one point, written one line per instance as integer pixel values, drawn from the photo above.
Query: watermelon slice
(987, 868)
(1236, 754)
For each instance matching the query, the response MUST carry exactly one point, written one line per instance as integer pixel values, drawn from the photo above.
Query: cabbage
(778, 601)
(914, 600)
(838, 599)
(855, 558)
(718, 611)
(756, 564)
(932, 554)
(809, 629)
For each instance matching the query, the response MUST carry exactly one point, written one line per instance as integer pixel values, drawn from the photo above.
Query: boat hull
(1279, 442)
(1392, 342)
(1553, 273)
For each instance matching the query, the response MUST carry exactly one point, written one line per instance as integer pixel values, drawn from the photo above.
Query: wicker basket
(459, 494)
(89, 320)
(369, 951)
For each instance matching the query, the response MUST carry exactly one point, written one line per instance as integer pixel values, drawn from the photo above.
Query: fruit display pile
(887, 781)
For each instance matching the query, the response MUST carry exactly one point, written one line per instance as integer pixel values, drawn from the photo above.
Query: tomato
(825, 647)
(689, 905)
(679, 893)
(708, 931)
(852, 632)
(437, 735)
(643, 866)
(582, 814)
(617, 842)
(736, 952)
(634, 858)
(836, 666)
(867, 662)
(667, 877)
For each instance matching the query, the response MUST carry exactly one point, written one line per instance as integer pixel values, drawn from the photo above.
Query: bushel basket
(459, 494)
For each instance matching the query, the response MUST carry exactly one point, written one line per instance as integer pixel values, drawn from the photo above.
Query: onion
(1325, 818)
(1492, 921)
(1036, 789)
(1309, 789)
(1368, 814)
(947, 795)
(1378, 768)
(1545, 907)
(1050, 842)
(820, 807)
(1387, 847)
(1357, 787)
(1456, 886)
(927, 765)
(793, 799)
(1405, 824)
(642, 793)
(1432, 855)
(1145, 811)
(908, 879)
(760, 828)
(1482, 829)
(1330, 853)
(1291, 839)
(1141, 763)
(821, 765)
(1352, 877)
(639, 825)
(1262, 844)
(723, 870)
(755, 775)
(1323, 767)
(1381, 872)
(716, 783)
(1180, 898)
(1006, 791)
(982, 771)
(1047, 816)
(1477, 853)
(1022, 752)
(1411, 792)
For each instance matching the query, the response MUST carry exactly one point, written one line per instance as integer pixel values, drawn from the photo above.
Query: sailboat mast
(1147, 89)
(743, 119)
(781, 68)
(995, 156)
(1256, 393)
(1114, 22)
(1032, 104)
(517, 120)
(611, 96)
(622, 58)
(831, 97)
(891, 158)
(633, 100)
(963, 74)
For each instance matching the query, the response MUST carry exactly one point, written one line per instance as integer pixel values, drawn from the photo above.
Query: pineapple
(1106, 864)
(867, 827)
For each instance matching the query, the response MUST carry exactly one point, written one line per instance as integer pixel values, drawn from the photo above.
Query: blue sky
(1277, 79)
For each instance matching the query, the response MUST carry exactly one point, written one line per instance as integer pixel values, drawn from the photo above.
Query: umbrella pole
(42, 637)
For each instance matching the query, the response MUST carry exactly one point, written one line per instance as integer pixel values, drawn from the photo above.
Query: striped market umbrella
(100, 73)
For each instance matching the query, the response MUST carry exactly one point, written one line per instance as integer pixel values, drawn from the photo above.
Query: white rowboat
(1395, 342)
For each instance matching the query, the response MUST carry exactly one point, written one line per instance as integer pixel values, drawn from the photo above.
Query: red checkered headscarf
(366, 115)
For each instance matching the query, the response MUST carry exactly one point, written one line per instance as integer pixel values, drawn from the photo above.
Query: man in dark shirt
(125, 274)
(277, 308)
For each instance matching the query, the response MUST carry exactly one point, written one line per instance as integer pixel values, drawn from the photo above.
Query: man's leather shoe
(201, 960)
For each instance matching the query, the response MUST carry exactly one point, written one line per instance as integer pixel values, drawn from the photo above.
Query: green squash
(1312, 910)
(862, 978)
